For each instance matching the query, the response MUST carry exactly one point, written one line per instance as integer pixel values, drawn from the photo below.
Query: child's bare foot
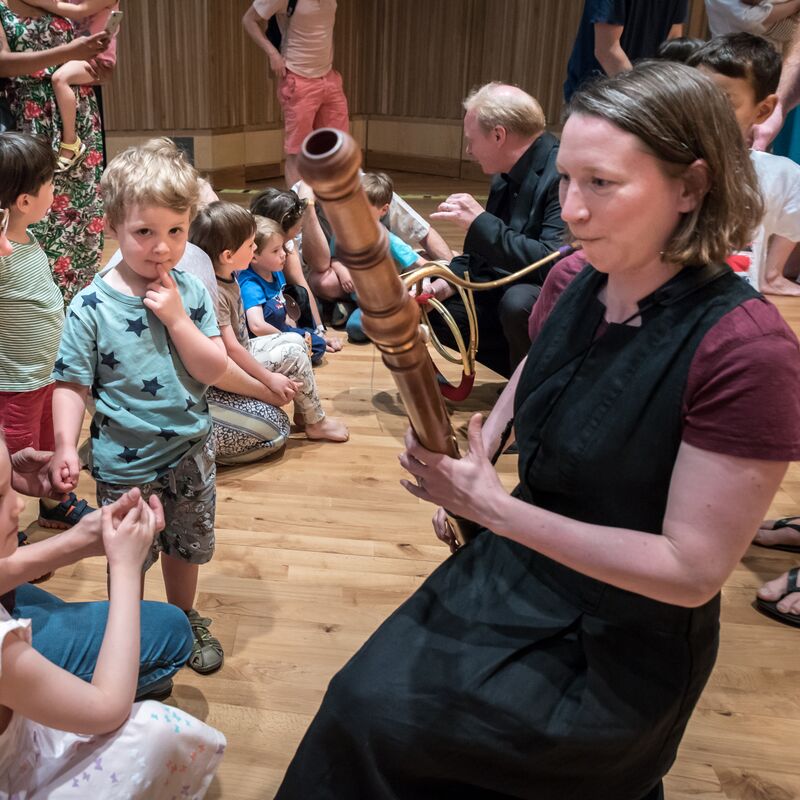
(328, 428)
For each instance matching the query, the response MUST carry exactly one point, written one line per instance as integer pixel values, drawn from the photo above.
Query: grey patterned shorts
(188, 494)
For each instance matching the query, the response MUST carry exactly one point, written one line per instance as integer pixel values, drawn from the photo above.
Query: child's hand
(164, 299)
(65, 467)
(127, 539)
(284, 388)
(333, 344)
(343, 274)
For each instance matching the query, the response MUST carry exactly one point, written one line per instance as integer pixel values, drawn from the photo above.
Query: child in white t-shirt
(775, 20)
(747, 68)
(62, 737)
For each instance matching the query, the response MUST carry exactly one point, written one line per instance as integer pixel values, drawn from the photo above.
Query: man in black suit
(504, 132)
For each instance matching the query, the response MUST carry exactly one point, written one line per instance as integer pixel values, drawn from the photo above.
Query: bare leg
(778, 251)
(290, 170)
(180, 581)
(69, 75)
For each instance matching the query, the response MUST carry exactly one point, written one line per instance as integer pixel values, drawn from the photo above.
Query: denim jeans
(70, 634)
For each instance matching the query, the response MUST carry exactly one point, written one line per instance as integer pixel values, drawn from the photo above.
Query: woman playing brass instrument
(559, 655)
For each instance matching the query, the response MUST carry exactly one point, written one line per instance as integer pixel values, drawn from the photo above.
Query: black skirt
(508, 675)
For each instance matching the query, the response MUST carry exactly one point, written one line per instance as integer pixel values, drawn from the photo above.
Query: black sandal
(770, 607)
(786, 522)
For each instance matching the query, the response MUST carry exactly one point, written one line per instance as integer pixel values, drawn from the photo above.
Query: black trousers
(503, 314)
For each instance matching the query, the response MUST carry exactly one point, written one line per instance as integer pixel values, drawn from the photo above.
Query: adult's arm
(293, 271)
(316, 249)
(788, 96)
(435, 246)
(82, 48)
(608, 48)
(74, 11)
(501, 246)
(255, 23)
(715, 503)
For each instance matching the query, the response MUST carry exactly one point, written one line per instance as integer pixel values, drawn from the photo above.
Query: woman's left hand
(467, 486)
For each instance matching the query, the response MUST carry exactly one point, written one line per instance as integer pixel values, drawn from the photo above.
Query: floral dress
(72, 233)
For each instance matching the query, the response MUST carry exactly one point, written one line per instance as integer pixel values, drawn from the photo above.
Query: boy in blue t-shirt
(262, 285)
(144, 339)
(379, 189)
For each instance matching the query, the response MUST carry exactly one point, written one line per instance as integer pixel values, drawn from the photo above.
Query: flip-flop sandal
(770, 607)
(786, 522)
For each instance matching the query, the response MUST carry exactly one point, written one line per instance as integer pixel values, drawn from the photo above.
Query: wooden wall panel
(187, 65)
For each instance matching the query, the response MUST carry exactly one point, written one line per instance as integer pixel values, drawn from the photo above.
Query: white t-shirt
(307, 36)
(779, 179)
(734, 16)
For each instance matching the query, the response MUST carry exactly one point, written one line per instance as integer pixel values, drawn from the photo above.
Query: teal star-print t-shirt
(149, 412)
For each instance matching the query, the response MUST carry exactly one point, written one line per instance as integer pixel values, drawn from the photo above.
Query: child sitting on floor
(31, 313)
(144, 339)
(62, 737)
(94, 14)
(292, 214)
(226, 232)
(747, 69)
(379, 189)
(262, 285)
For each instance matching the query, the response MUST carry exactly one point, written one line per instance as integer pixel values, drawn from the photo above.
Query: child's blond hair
(378, 187)
(155, 173)
(266, 228)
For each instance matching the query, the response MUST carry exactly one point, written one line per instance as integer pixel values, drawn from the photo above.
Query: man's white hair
(507, 106)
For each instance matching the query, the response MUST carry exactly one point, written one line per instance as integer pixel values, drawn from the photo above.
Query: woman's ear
(695, 183)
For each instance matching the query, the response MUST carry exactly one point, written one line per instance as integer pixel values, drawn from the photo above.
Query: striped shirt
(31, 318)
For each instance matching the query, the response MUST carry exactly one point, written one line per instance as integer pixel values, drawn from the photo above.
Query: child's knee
(59, 80)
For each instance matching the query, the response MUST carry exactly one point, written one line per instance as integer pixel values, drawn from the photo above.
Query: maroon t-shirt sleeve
(742, 395)
(556, 281)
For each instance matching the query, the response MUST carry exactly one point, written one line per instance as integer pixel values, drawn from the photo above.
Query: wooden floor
(316, 548)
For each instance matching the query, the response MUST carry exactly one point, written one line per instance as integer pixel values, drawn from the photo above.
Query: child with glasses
(31, 312)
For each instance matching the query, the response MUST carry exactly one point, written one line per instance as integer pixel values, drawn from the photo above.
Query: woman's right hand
(127, 539)
(85, 48)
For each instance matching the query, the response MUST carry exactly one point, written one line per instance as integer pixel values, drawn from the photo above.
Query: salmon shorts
(311, 103)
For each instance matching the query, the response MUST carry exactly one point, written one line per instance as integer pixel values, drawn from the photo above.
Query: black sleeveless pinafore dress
(506, 674)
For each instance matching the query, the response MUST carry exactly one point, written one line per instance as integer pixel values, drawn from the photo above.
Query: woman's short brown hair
(221, 226)
(680, 116)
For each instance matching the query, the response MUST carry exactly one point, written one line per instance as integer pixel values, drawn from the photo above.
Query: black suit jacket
(495, 247)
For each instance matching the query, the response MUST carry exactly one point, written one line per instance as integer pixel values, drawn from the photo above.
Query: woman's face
(616, 197)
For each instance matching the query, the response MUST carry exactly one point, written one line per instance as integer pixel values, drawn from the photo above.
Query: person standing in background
(309, 88)
(615, 33)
